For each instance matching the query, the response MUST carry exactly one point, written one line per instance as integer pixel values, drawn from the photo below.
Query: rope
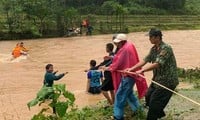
(133, 73)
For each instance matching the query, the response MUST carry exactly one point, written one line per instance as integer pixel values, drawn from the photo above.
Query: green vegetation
(144, 22)
(65, 109)
(54, 94)
(20, 19)
(190, 75)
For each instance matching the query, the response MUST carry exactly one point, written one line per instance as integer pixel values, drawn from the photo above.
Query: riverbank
(21, 80)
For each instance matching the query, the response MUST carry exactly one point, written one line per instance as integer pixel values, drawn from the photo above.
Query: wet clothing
(107, 84)
(50, 77)
(106, 62)
(94, 76)
(16, 52)
(94, 90)
(24, 49)
(166, 74)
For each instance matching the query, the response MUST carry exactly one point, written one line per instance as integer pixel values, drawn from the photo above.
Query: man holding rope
(164, 72)
(125, 57)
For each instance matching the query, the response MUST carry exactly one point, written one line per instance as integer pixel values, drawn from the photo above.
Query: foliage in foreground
(65, 109)
(103, 112)
(54, 95)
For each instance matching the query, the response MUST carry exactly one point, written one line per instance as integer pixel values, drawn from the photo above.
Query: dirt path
(20, 81)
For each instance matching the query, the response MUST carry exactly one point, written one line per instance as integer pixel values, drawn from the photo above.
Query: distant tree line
(49, 18)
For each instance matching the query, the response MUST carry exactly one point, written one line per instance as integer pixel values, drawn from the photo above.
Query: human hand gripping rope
(139, 75)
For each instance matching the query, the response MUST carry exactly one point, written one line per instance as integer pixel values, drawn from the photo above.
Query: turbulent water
(22, 78)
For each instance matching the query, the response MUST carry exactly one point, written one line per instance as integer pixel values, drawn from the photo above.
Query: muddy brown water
(21, 79)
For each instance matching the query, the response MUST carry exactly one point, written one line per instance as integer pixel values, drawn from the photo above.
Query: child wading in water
(95, 78)
(107, 85)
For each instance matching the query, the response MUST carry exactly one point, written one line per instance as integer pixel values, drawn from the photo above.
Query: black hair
(93, 63)
(110, 46)
(155, 32)
(48, 66)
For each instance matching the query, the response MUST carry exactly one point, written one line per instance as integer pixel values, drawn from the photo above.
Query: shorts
(94, 90)
(107, 84)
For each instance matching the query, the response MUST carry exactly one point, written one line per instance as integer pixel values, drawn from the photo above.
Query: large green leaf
(44, 93)
(59, 87)
(69, 95)
(32, 103)
(39, 117)
(61, 108)
(54, 94)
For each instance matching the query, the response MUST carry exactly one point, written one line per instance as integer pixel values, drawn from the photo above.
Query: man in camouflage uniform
(163, 64)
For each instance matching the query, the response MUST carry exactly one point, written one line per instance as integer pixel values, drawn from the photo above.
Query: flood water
(22, 78)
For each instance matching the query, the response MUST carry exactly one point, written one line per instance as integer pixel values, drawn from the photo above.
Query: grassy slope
(177, 109)
(144, 22)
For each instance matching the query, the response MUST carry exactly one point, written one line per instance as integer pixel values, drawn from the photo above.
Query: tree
(120, 12)
(39, 11)
(108, 10)
(114, 8)
(71, 16)
(14, 15)
(164, 4)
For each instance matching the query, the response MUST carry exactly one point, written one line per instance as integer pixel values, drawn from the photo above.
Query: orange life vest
(16, 52)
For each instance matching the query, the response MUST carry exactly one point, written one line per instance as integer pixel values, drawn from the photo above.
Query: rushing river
(22, 78)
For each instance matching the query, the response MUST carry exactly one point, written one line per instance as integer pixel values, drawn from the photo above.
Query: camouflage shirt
(166, 73)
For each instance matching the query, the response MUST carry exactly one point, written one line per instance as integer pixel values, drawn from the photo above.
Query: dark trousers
(157, 99)
(95, 90)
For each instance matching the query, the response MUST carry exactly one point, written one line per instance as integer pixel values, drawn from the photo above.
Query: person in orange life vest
(23, 49)
(19, 50)
(16, 51)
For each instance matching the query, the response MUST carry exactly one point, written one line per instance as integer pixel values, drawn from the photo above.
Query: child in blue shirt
(95, 77)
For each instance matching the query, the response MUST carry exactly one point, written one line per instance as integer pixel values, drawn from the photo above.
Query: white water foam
(8, 58)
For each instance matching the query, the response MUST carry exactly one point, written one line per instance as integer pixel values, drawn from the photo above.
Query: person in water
(50, 76)
(95, 77)
(19, 50)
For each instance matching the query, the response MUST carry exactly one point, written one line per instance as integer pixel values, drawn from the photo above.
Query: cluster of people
(19, 50)
(122, 70)
(96, 77)
(125, 70)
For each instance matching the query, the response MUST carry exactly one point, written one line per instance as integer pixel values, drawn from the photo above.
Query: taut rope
(133, 73)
